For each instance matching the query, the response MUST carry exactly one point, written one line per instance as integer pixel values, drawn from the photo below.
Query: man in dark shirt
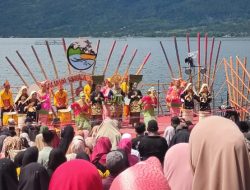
(181, 136)
(153, 144)
(140, 130)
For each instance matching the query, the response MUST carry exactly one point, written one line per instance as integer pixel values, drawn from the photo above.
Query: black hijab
(8, 175)
(66, 138)
(83, 156)
(33, 177)
(30, 155)
(56, 158)
(18, 160)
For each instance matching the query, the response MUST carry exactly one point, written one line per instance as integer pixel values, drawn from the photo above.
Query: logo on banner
(81, 55)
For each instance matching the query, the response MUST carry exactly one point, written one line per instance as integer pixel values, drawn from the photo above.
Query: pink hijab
(77, 175)
(177, 167)
(146, 175)
(126, 145)
(102, 148)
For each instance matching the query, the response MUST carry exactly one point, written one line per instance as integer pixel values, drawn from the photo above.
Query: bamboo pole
(237, 80)
(143, 63)
(227, 79)
(20, 76)
(109, 56)
(129, 64)
(69, 71)
(52, 59)
(215, 65)
(121, 58)
(205, 61)
(210, 60)
(248, 93)
(199, 58)
(242, 66)
(97, 50)
(188, 42)
(166, 57)
(243, 78)
(178, 57)
(243, 109)
(39, 63)
(232, 77)
(27, 67)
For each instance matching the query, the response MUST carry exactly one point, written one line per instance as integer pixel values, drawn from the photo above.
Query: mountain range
(68, 18)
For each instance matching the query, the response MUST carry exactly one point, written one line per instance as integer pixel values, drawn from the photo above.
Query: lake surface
(155, 69)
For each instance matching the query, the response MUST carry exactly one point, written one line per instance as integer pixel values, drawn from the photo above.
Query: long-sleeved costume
(61, 99)
(173, 100)
(135, 109)
(188, 99)
(108, 94)
(205, 99)
(117, 103)
(32, 108)
(97, 99)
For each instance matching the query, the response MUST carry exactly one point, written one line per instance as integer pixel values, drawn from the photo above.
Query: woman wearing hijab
(126, 145)
(33, 177)
(39, 138)
(219, 157)
(8, 175)
(30, 155)
(32, 105)
(81, 111)
(100, 151)
(66, 137)
(77, 175)
(56, 158)
(20, 100)
(146, 175)
(177, 167)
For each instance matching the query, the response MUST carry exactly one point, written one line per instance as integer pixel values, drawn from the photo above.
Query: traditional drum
(187, 114)
(64, 115)
(204, 114)
(8, 115)
(21, 120)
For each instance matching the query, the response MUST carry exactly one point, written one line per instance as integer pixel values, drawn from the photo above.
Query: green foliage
(46, 18)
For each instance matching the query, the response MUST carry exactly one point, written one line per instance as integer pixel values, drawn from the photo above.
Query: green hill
(47, 18)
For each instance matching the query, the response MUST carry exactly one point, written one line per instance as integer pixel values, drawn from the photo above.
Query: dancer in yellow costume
(61, 98)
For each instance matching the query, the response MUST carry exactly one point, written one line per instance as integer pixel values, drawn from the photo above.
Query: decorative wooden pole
(166, 57)
(20, 76)
(27, 67)
(52, 59)
(210, 61)
(178, 58)
(143, 63)
(69, 70)
(199, 59)
(97, 49)
(227, 79)
(205, 61)
(188, 42)
(109, 56)
(130, 63)
(237, 79)
(242, 86)
(121, 58)
(232, 78)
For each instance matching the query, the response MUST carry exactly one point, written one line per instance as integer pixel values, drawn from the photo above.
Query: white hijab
(19, 94)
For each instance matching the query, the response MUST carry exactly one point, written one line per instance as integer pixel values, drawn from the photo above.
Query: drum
(21, 120)
(8, 115)
(204, 114)
(64, 115)
(188, 115)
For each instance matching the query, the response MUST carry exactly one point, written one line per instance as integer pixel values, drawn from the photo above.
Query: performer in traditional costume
(108, 95)
(117, 102)
(188, 96)
(125, 90)
(149, 103)
(135, 96)
(6, 99)
(20, 99)
(97, 99)
(87, 89)
(205, 98)
(44, 97)
(61, 98)
(173, 98)
(32, 106)
(81, 111)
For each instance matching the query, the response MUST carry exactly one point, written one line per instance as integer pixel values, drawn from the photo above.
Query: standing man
(6, 99)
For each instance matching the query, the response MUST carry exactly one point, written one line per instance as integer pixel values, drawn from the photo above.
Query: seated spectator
(181, 136)
(30, 155)
(140, 130)
(170, 130)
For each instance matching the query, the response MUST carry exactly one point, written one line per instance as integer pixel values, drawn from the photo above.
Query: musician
(188, 96)
(6, 99)
(205, 98)
(87, 89)
(32, 106)
(81, 111)
(149, 103)
(108, 94)
(44, 97)
(20, 100)
(135, 96)
(125, 89)
(61, 98)
(173, 97)
(117, 101)
(97, 99)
